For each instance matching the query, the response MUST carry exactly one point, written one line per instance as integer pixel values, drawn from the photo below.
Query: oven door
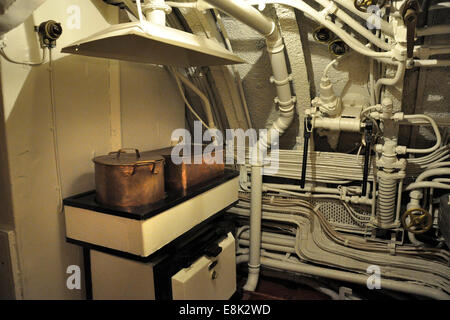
(209, 277)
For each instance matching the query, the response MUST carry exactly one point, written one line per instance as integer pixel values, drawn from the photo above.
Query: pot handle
(123, 150)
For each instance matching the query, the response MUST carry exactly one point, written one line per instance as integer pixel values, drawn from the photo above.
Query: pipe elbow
(252, 280)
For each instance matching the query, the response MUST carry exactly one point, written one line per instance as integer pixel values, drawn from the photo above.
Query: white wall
(89, 94)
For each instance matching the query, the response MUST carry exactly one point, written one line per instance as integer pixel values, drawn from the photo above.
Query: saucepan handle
(124, 150)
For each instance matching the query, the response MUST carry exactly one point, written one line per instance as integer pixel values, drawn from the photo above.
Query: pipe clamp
(281, 82)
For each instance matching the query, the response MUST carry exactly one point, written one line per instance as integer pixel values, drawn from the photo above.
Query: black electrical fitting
(368, 131)
(306, 136)
(338, 47)
(323, 35)
(49, 31)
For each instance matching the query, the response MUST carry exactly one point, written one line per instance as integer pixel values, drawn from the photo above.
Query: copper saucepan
(129, 180)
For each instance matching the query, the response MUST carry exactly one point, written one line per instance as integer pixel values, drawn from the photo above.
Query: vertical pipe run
(154, 11)
(255, 228)
(286, 103)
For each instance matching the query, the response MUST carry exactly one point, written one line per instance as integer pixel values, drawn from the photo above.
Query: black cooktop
(87, 200)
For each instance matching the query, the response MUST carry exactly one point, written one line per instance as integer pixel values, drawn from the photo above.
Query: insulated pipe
(201, 95)
(255, 228)
(355, 278)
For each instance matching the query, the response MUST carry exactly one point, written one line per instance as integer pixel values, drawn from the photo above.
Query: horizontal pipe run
(433, 30)
(432, 63)
(355, 278)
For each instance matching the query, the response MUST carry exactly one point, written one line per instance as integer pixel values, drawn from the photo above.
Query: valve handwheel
(420, 220)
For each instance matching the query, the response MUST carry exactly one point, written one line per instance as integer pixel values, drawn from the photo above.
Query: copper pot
(129, 180)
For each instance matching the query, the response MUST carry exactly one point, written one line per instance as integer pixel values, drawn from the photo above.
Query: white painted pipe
(433, 172)
(436, 132)
(139, 11)
(255, 19)
(311, 13)
(247, 14)
(341, 14)
(298, 188)
(439, 165)
(432, 63)
(388, 284)
(401, 66)
(433, 30)
(350, 6)
(154, 11)
(347, 38)
(268, 238)
(201, 95)
(338, 124)
(427, 184)
(255, 228)
(269, 246)
(425, 52)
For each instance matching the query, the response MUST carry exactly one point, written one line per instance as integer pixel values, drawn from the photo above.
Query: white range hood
(152, 43)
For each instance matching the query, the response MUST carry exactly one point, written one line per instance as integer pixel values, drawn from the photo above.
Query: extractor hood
(152, 43)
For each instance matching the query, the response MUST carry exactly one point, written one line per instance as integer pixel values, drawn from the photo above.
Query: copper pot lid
(123, 158)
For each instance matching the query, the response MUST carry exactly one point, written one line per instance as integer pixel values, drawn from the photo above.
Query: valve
(306, 135)
(420, 220)
(368, 130)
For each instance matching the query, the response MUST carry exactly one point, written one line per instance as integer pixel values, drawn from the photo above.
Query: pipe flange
(281, 82)
(276, 47)
(153, 6)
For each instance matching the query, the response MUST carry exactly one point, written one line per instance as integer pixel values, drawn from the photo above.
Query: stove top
(87, 200)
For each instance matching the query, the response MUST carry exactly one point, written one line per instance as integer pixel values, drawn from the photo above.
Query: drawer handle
(213, 264)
